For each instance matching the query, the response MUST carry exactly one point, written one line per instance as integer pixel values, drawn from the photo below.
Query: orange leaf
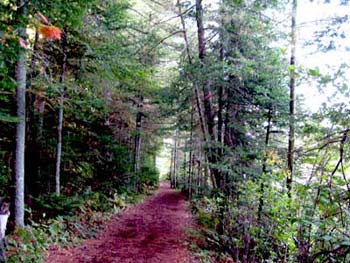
(50, 32)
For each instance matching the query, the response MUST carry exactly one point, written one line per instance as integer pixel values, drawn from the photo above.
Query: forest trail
(150, 232)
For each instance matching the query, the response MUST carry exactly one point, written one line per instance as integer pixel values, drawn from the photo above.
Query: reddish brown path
(151, 232)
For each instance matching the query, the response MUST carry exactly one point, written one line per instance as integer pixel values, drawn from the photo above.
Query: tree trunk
(59, 145)
(200, 30)
(190, 157)
(171, 168)
(60, 116)
(207, 98)
(33, 147)
(197, 92)
(201, 55)
(184, 167)
(183, 24)
(21, 125)
(138, 141)
(264, 168)
(175, 160)
(199, 172)
(221, 94)
(291, 137)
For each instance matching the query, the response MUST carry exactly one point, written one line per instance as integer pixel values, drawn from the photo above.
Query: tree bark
(60, 115)
(291, 137)
(190, 157)
(33, 147)
(264, 168)
(197, 92)
(21, 125)
(221, 94)
(174, 183)
(171, 167)
(207, 99)
(138, 140)
(199, 172)
(200, 30)
(59, 145)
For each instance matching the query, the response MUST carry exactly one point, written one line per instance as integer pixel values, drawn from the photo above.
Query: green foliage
(149, 176)
(54, 205)
(5, 117)
(96, 201)
(231, 227)
(147, 179)
(4, 177)
(27, 245)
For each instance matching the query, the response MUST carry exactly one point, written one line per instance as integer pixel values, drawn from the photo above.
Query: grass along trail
(150, 232)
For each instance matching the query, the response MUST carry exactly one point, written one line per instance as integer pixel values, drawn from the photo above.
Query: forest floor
(153, 231)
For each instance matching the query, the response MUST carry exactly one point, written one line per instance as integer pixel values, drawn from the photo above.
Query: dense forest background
(92, 91)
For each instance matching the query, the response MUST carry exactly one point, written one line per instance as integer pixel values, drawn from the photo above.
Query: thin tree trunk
(197, 92)
(138, 140)
(41, 110)
(291, 137)
(183, 24)
(175, 160)
(264, 168)
(59, 145)
(201, 55)
(199, 173)
(184, 167)
(189, 176)
(219, 178)
(40, 101)
(171, 168)
(207, 98)
(190, 157)
(60, 115)
(32, 159)
(200, 112)
(221, 92)
(21, 125)
(200, 30)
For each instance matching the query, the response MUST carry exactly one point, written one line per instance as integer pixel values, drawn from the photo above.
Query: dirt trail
(151, 232)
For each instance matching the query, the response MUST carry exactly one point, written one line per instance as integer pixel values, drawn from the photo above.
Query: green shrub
(148, 179)
(54, 205)
(27, 245)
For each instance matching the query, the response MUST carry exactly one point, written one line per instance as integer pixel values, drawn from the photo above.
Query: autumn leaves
(49, 32)
(44, 27)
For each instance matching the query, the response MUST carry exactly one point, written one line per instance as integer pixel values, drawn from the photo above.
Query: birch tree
(291, 136)
(21, 115)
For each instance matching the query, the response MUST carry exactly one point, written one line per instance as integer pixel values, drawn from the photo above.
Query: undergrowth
(204, 245)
